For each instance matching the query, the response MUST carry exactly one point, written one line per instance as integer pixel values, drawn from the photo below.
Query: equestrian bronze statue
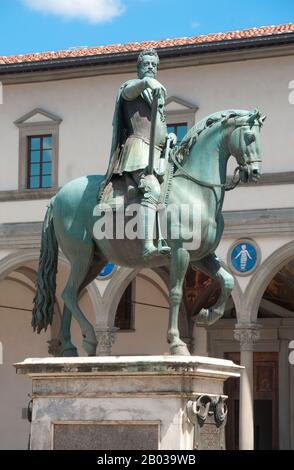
(170, 186)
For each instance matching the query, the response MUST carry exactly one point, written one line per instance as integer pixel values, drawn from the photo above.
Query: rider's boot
(150, 188)
(147, 218)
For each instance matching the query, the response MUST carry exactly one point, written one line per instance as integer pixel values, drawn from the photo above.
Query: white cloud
(95, 11)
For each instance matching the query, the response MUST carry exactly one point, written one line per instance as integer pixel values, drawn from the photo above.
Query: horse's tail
(46, 279)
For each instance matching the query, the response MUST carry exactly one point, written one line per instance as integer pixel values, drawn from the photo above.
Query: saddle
(123, 191)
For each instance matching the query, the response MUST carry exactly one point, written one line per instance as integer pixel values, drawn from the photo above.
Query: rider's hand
(155, 86)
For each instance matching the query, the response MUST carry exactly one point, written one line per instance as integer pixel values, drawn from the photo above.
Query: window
(179, 129)
(38, 151)
(40, 162)
(180, 116)
(124, 313)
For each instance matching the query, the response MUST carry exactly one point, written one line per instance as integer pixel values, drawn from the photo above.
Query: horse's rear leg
(80, 265)
(68, 349)
(178, 268)
(211, 266)
(95, 268)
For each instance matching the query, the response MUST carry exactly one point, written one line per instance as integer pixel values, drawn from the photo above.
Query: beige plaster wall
(86, 107)
(18, 342)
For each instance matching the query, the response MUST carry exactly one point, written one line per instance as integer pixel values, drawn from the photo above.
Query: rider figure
(131, 141)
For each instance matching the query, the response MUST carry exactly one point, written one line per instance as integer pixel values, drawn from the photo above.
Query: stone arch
(31, 275)
(163, 274)
(121, 279)
(261, 278)
(113, 293)
(16, 259)
(153, 283)
(237, 294)
(115, 289)
(238, 298)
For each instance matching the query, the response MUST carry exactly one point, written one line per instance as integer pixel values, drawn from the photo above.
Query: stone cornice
(20, 235)
(26, 194)
(250, 223)
(237, 224)
(267, 179)
(183, 366)
(185, 56)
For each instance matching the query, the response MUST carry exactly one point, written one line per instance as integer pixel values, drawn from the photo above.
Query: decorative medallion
(107, 272)
(244, 256)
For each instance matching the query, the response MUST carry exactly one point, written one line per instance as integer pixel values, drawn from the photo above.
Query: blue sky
(45, 25)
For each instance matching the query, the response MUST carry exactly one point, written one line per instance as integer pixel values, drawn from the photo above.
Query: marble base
(128, 402)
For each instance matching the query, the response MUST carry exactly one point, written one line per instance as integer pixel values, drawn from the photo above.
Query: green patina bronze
(199, 179)
(139, 140)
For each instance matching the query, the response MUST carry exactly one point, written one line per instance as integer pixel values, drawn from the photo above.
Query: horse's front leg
(178, 268)
(211, 266)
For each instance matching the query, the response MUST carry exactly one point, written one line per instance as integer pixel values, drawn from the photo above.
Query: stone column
(200, 340)
(106, 337)
(284, 396)
(247, 334)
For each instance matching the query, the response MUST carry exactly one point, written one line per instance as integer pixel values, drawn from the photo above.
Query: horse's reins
(228, 186)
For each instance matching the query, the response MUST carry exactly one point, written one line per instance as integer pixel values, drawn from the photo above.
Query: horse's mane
(193, 134)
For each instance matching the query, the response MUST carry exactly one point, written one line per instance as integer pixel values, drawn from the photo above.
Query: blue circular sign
(243, 256)
(107, 271)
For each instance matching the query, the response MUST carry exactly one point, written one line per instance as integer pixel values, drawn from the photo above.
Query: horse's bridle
(227, 186)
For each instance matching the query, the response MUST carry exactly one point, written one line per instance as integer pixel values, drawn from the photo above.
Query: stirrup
(149, 253)
(162, 247)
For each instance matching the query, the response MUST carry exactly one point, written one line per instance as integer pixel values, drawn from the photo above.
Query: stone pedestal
(125, 403)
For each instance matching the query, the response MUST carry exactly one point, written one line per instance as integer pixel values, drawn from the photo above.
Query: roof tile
(138, 46)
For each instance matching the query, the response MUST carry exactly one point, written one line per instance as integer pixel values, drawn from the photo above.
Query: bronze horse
(200, 164)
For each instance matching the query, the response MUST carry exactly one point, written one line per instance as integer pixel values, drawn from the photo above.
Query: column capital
(106, 337)
(247, 334)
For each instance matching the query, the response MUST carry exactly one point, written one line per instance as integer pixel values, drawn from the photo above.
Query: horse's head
(244, 143)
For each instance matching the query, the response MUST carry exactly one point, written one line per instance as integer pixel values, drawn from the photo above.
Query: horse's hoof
(207, 317)
(203, 318)
(89, 348)
(70, 352)
(179, 349)
(67, 349)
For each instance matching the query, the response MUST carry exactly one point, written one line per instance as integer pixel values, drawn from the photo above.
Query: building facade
(55, 125)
